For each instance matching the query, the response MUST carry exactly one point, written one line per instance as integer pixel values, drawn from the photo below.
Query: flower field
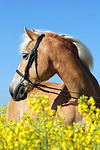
(46, 131)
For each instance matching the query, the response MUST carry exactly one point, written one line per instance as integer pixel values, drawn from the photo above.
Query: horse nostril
(21, 90)
(20, 93)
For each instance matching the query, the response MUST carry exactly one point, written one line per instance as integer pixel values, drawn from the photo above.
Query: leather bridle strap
(32, 57)
(41, 86)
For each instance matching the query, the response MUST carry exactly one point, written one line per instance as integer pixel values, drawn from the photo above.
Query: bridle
(33, 57)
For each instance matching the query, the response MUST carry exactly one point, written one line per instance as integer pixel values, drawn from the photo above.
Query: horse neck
(71, 71)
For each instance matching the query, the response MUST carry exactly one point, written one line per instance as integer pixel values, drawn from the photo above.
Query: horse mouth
(19, 93)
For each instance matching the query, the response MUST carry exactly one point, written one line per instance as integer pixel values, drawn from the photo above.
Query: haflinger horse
(47, 54)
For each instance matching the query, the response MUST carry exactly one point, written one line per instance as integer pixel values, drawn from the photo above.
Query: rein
(38, 86)
(33, 57)
(41, 86)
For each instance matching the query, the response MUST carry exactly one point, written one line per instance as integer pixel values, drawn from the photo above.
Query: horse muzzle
(19, 93)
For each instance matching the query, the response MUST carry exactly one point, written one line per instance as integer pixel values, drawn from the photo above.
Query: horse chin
(19, 93)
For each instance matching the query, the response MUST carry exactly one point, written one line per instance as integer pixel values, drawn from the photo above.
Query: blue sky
(77, 18)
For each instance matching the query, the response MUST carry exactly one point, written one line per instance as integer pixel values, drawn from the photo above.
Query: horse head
(35, 65)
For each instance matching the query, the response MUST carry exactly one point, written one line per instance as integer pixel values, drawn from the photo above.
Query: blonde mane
(83, 51)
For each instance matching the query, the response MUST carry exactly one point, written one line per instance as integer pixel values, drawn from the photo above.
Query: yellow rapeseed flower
(46, 130)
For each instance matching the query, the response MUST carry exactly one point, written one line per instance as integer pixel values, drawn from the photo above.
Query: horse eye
(25, 56)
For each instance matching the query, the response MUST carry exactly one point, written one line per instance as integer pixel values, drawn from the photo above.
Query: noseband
(32, 57)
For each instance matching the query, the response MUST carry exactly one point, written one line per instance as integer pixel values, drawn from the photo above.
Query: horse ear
(31, 34)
